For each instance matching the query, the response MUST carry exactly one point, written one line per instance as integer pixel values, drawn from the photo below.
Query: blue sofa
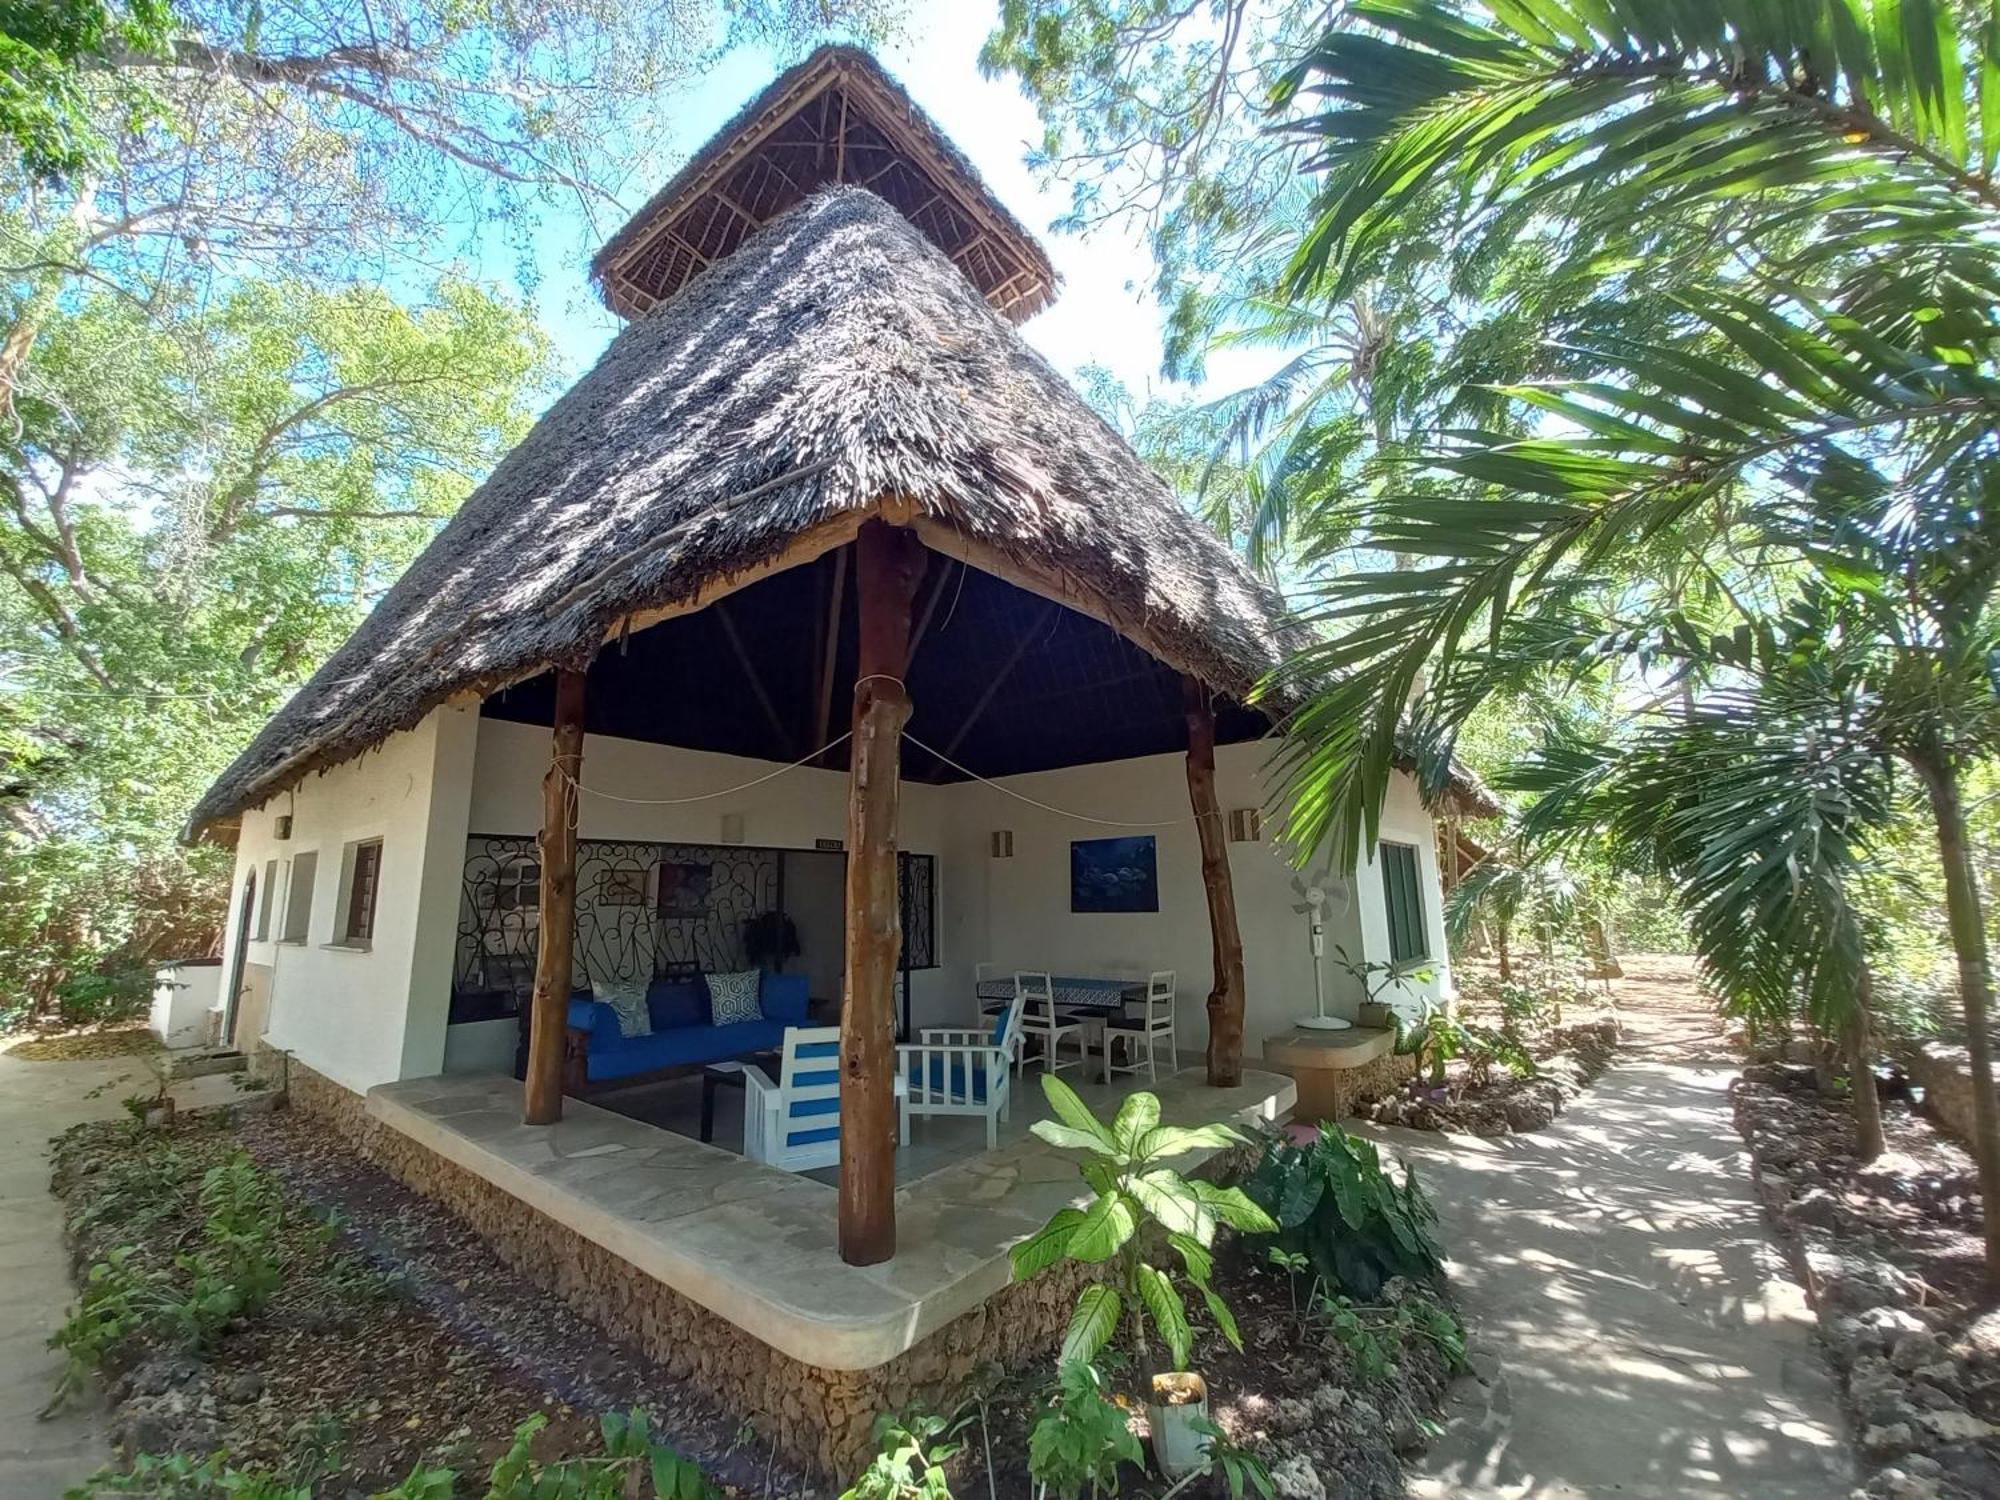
(599, 1055)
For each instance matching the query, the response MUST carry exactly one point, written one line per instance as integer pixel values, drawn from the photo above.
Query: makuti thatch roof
(837, 117)
(837, 366)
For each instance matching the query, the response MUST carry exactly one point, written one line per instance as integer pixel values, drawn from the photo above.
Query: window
(360, 878)
(916, 890)
(1402, 887)
(267, 900)
(518, 887)
(299, 898)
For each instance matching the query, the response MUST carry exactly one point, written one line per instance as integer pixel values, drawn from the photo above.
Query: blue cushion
(597, 1018)
(784, 998)
(1000, 1024)
(684, 1046)
(957, 1090)
(674, 1003)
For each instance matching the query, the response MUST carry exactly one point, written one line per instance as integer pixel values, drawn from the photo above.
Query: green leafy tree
(48, 53)
(197, 503)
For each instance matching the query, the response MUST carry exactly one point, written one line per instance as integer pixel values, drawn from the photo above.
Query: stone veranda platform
(727, 1273)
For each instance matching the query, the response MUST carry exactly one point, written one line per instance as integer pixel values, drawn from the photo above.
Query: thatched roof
(837, 366)
(835, 118)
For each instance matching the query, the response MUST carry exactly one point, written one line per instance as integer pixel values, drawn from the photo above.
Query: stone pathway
(37, 1100)
(1637, 1333)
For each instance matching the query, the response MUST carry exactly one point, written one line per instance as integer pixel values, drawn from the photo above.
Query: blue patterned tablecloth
(1073, 992)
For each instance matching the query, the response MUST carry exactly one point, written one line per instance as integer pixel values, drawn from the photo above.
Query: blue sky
(1104, 314)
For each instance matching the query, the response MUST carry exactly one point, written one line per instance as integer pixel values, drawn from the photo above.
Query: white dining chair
(1153, 1026)
(1040, 1023)
(981, 974)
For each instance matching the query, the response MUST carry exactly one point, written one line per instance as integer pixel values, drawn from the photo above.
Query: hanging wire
(1060, 812)
(728, 791)
(841, 739)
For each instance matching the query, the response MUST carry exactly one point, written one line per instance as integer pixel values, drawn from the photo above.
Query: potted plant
(1142, 1206)
(770, 940)
(1376, 980)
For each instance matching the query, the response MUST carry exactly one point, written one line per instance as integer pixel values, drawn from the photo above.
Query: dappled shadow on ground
(81, 1045)
(1617, 1267)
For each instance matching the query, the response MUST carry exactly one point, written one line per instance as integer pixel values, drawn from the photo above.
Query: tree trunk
(889, 561)
(557, 929)
(1975, 987)
(1225, 999)
(1867, 1104)
(1501, 952)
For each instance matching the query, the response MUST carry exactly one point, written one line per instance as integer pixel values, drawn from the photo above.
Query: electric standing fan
(1317, 890)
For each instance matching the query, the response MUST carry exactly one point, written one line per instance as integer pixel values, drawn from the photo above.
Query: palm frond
(1609, 108)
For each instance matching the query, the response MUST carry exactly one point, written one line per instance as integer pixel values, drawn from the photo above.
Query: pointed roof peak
(837, 117)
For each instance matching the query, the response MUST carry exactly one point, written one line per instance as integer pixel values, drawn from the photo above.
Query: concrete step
(200, 1062)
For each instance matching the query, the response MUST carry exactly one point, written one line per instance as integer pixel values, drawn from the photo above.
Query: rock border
(1904, 1370)
(1579, 1055)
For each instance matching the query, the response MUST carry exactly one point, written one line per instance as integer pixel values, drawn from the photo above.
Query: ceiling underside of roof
(1002, 681)
(843, 133)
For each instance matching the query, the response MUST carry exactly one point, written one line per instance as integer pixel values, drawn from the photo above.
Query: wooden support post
(550, 1020)
(1225, 1000)
(888, 563)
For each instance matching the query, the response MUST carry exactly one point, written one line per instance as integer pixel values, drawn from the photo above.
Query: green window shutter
(1402, 888)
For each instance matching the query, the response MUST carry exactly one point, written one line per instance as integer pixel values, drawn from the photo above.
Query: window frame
(296, 928)
(1404, 912)
(354, 927)
(267, 901)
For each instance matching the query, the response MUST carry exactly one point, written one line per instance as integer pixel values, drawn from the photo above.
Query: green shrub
(1375, 1337)
(911, 1452)
(632, 1464)
(1135, 1189)
(1079, 1439)
(1334, 1204)
(1436, 1039)
(233, 1272)
(103, 997)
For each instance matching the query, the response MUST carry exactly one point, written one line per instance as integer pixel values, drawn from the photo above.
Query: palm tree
(1826, 421)
(1505, 887)
(1758, 807)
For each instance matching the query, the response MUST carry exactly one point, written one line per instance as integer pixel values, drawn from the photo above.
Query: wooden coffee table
(729, 1075)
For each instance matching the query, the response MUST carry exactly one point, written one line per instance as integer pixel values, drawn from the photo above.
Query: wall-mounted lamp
(732, 828)
(282, 827)
(1003, 843)
(1246, 825)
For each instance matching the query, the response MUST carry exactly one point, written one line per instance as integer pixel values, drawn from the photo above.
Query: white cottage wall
(366, 1015)
(1026, 903)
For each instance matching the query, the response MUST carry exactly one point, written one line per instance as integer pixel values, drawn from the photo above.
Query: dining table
(1090, 999)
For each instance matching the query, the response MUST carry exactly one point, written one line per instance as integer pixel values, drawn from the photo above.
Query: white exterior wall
(1028, 923)
(364, 1017)
(369, 1017)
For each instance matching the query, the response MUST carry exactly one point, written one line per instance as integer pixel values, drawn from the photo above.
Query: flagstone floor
(756, 1245)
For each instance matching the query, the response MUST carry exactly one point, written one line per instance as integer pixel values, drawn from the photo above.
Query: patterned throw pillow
(733, 997)
(627, 999)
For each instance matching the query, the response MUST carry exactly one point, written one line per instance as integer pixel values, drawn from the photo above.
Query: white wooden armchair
(794, 1123)
(963, 1070)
